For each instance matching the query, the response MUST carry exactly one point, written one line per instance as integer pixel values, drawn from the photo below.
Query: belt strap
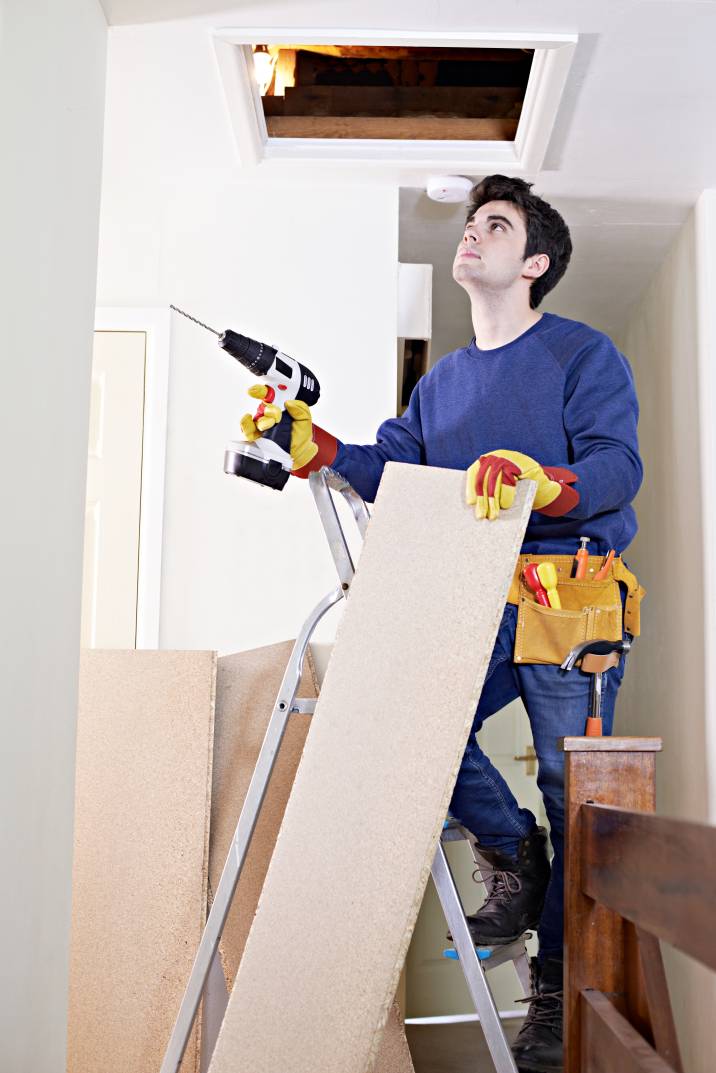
(563, 564)
(635, 594)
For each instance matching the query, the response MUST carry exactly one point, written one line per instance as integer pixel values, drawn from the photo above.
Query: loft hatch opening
(392, 92)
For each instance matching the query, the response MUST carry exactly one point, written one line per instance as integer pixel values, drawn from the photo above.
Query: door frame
(705, 226)
(155, 323)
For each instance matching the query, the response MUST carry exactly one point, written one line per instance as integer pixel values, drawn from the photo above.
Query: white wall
(666, 689)
(429, 233)
(305, 263)
(52, 67)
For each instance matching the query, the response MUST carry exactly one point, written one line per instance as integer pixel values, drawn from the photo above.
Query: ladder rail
(322, 483)
(242, 838)
(338, 483)
(473, 971)
(334, 530)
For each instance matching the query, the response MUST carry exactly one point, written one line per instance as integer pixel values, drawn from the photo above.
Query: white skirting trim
(459, 1018)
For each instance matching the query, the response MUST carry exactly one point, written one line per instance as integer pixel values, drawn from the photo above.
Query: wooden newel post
(600, 947)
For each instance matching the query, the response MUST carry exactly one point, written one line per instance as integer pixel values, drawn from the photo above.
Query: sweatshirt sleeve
(600, 418)
(399, 439)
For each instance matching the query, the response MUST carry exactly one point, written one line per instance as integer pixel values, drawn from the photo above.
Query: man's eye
(495, 224)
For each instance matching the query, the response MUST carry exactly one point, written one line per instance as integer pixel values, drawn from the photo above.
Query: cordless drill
(267, 460)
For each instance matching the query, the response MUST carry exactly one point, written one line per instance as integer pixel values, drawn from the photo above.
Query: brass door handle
(531, 758)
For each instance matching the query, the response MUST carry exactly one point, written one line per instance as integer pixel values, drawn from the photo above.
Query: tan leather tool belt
(590, 609)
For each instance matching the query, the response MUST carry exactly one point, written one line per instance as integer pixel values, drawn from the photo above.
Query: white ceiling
(633, 143)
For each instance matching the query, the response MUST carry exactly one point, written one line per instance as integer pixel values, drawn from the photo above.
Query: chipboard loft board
(323, 956)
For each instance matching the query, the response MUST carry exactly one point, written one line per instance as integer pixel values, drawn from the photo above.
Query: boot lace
(504, 886)
(545, 1009)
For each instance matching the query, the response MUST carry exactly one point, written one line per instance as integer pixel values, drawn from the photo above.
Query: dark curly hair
(546, 230)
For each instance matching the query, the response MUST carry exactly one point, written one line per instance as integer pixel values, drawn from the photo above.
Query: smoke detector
(448, 187)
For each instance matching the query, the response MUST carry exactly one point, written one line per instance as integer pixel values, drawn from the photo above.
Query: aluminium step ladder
(206, 979)
(477, 961)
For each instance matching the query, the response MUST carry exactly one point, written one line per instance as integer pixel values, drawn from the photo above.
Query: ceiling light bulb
(263, 67)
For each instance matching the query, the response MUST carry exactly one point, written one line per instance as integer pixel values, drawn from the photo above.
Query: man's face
(491, 251)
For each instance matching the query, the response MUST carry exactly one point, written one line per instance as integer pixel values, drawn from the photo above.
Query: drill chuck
(254, 356)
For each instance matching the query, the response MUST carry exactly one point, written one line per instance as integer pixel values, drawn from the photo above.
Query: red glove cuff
(327, 451)
(568, 498)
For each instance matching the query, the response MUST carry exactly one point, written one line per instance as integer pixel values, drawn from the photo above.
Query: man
(539, 396)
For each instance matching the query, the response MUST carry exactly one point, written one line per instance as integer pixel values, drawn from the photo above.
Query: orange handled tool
(596, 658)
(604, 569)
(581, 559)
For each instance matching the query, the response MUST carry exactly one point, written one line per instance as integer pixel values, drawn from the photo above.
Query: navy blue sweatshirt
(561, 393)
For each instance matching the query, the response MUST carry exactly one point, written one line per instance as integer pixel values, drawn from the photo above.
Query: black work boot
(538, 1047)
(516, 897)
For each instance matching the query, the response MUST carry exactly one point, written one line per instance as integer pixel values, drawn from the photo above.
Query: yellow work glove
(491, 483)
(265, 417)
(302, 448)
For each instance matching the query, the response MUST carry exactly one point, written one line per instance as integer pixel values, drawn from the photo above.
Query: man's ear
(536, 265)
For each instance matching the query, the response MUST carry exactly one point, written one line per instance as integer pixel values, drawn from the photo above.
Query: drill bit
(199, 322)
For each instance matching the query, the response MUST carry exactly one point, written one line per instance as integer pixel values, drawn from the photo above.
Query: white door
(507, 739)
(114, 490)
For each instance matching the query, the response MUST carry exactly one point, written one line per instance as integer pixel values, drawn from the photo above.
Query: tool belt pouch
(590, 610)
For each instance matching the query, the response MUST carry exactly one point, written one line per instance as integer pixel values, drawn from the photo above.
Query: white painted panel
(114, 486)
(415, 301)
(52, 79)
(90, 572)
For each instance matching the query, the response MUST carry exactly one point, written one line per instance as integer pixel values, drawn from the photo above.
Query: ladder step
(493, 956)
(483, 952)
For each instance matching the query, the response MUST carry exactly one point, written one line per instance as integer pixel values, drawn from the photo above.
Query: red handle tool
(533, 582)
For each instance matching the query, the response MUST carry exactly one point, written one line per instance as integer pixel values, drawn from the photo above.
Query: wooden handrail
(665, 877)
(610, 1043)
(617, 1011)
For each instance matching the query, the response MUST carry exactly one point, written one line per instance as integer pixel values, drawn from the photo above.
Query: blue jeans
(557, 705)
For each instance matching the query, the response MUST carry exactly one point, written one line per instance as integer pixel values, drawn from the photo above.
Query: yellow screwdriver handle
(547, 573)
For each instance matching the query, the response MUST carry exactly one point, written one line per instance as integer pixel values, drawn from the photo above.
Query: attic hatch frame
(551, 62)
